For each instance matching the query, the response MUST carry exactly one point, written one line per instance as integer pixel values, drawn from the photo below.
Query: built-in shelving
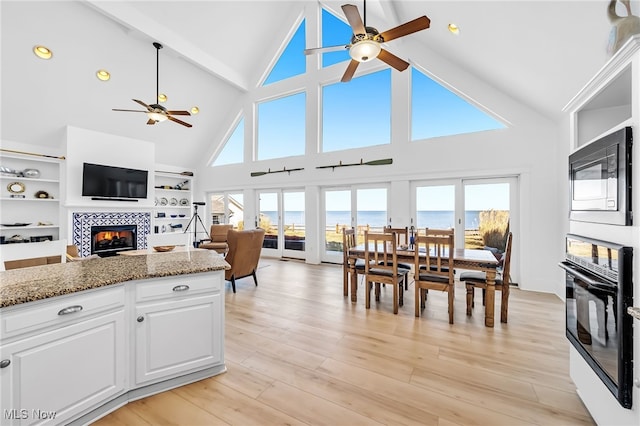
(173, 196)
(36, 201)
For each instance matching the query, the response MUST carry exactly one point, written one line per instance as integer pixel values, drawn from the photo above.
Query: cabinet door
(174, 337)
(59, 374)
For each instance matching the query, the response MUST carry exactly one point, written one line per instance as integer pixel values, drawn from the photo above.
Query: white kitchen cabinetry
(32, 198)
(80, 356)
(173, 200)
(178, 326)
(62, 357)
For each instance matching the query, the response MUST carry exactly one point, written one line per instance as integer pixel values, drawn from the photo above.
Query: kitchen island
(80, 339)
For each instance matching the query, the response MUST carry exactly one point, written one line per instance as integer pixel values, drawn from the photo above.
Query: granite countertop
(41, 282)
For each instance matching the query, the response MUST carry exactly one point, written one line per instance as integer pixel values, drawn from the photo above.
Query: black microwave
(600, 180)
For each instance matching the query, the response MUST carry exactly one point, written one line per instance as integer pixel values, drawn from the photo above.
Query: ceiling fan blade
(393, 60)
(175, 120)
(326, 49)
(353, 16)
(178, 112)
(151, 121)
(127, 110)
(351, 69)
(418, 24)
(143, 104)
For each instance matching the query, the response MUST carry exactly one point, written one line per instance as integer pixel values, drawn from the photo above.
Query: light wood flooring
(299, 353)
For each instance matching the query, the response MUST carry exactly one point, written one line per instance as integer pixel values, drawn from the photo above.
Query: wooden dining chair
(351, 265)
(402, 239)
(476, 279)
(381, 250)
(435, 251)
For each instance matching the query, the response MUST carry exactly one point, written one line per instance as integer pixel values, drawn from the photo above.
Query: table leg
(490, 297)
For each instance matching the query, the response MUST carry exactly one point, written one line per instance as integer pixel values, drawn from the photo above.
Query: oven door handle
(575, 272)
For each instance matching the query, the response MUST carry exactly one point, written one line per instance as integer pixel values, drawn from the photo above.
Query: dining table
(469, 259)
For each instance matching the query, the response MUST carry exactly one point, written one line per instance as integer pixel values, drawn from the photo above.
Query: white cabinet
(179, 326)
(173, 200)
(62, 357)
(29, 196)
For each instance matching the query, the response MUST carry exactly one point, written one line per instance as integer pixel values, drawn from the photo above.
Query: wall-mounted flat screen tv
(113, 182)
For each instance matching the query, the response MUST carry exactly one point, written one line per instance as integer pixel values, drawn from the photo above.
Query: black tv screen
(113, 182)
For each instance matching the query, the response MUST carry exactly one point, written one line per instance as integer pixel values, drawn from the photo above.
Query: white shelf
(40, 200)
(26, 179)
(7, 228)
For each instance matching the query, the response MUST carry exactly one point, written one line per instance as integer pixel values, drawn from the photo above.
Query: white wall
(100, 148)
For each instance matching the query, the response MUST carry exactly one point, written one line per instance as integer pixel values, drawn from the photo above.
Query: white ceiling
(538, 52)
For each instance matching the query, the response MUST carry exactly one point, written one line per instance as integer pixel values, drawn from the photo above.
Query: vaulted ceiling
(540, 53)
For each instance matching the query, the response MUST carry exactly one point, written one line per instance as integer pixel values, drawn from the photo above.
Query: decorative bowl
(163, 248)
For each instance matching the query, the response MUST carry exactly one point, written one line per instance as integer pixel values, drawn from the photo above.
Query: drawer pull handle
(70, 310)
(181, 288)
(140, 318)
(5, 363)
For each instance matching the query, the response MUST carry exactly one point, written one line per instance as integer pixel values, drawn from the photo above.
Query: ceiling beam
(132, 18)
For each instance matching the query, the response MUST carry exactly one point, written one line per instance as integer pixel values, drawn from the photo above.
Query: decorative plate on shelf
(184, 202)
(156, 201)
(163, 201)
(173, 202)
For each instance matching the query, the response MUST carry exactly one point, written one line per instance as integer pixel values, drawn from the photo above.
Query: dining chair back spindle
(382, 268)
(438, 246)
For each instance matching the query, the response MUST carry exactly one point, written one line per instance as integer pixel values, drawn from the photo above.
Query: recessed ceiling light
(103, 75)
(162, 97)
(195, 110)
(453, 29)
(42, 52)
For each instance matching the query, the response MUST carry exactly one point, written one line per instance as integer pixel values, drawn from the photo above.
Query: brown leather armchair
(244, 254)
(218, 238)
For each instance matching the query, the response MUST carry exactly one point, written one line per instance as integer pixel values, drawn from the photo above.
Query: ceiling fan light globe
(156, 116)
(365, 50)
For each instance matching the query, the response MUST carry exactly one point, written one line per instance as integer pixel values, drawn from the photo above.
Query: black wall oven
(599, 289)
(600, 180)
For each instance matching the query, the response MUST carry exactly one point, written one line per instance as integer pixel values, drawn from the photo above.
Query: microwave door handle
(575, 272)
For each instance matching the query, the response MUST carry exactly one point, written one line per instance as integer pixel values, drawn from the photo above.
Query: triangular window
(334, 33)
(436, 111)
(232, 152)
(292, 61)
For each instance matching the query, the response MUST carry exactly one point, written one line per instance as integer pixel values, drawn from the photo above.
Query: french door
(282, 216)
(351, 206)
(481, 211)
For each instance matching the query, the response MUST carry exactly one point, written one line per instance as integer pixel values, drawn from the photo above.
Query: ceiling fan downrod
(158, 46)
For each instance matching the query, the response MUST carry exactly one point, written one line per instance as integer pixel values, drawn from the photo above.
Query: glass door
(337, 215)
(487, 213)
(360, 207)
(270, 217)
(282, 216)
(293, 225)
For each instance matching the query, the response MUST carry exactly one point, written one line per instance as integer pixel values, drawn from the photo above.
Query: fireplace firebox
(108, 240)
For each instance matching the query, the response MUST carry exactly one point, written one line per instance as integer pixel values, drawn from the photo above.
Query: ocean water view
(376, 218)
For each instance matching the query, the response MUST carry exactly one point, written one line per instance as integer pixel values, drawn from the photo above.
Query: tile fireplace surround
(82, 223)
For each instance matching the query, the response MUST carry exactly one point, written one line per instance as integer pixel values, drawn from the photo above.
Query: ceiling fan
(366, 42)
(156, 112)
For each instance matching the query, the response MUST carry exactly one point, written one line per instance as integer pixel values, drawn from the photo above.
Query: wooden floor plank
(298, 352)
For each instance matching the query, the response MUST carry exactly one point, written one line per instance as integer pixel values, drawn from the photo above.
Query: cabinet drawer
(60, 311)
(180, 286)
